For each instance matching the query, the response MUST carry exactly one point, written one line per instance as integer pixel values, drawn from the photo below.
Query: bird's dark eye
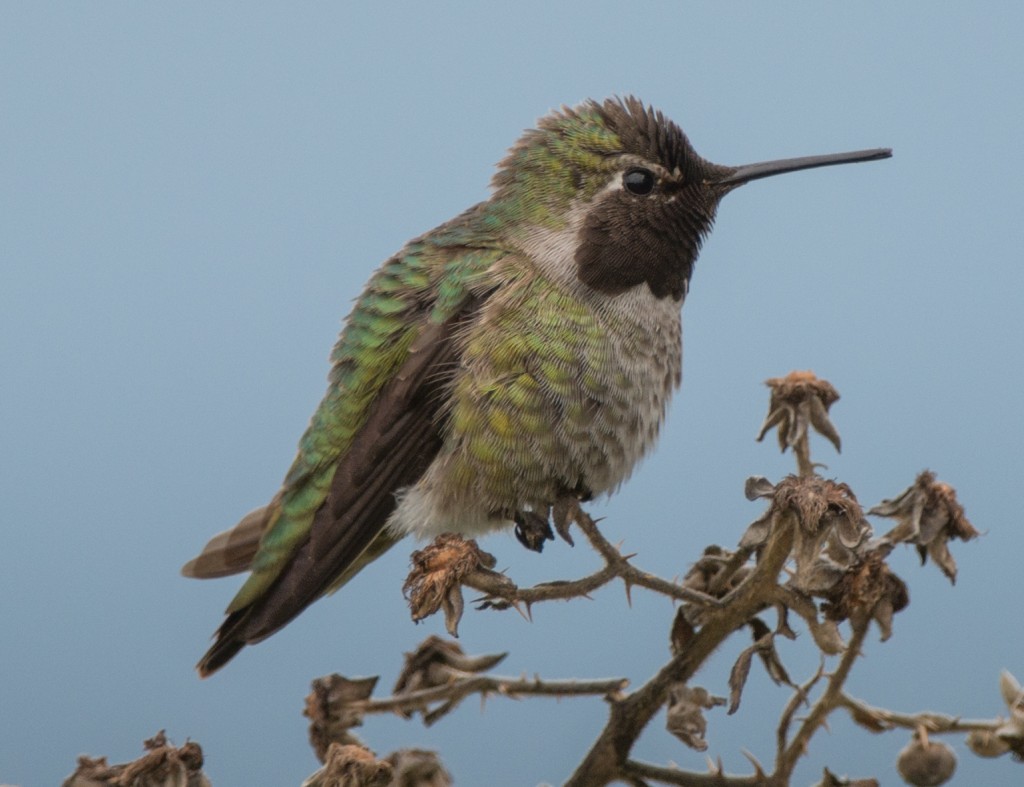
(639, 181)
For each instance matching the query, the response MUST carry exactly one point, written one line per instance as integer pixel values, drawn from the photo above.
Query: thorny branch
(437, 676)
(628, 717)
(799, 698)
(811, 553)
(617, 566)
(824, 705)
(451, 561)
(881, 719)
(640, 772)
(486, 685)
(814, 526)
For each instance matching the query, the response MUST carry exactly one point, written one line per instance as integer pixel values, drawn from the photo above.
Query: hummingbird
(522, 354)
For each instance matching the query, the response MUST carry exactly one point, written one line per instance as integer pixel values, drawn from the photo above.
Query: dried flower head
(438, 662)
(686, 708)
(823, 512)
(799, 401)
(163, 765)
(418, 768)
(929, 517)
(350, 766)
(868, 589)
(437, 572)
(333, 707)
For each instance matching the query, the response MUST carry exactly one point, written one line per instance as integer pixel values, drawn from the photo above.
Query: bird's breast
(556, 391)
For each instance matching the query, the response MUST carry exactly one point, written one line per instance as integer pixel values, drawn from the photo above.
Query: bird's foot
(532, 530)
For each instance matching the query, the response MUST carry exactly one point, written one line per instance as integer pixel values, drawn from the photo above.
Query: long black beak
(765, 169)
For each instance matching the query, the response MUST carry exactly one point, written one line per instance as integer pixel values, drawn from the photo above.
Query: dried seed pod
(925, 763)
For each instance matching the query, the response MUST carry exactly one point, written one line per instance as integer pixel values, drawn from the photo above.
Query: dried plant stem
(616, 565)
(456, 691)
(639, 772)
(802, 452)
(799, 698)
(629, 573)
(628, 717)
(825, 704)
(933, 722)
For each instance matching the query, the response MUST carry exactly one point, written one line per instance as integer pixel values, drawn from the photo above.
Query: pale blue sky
(192, 194)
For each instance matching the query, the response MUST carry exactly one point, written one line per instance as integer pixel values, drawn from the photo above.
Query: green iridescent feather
(428, 281)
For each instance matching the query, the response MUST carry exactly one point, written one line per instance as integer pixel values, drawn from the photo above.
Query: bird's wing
(375, 432)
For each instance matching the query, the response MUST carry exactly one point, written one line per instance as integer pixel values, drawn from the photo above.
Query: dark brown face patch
(628, 239)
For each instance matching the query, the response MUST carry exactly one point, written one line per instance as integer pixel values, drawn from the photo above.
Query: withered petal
(774, 418)
(453, 608)
(681, 634)
(934, 520)
(851, 530)
(1011, 691)
(806, 552)
(939, 552)
(758, 486)
(883, 616)
(827, 637)
(797, 426)
(822, 423)
(757, 532)
(822, 577)
(738, 678)
(896, 506)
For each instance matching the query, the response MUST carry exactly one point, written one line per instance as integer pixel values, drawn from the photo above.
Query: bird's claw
(532, 530)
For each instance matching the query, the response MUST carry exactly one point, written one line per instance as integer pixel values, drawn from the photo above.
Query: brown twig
(825, 704)
(931, 721)
(456, 691)
(799, 698)
(628, 717)
(639, 772)
(802, 452)
(617, 565)
(816, 522)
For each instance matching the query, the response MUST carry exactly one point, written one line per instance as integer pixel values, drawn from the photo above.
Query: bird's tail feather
(273, 611)
(232, 551)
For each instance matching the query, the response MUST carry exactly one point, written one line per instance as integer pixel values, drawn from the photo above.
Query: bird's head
(626, 178)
